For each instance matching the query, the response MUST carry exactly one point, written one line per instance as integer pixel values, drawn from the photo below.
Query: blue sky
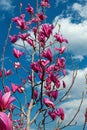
(72, 16)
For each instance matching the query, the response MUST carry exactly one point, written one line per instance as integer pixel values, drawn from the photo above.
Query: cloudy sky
(72, 16)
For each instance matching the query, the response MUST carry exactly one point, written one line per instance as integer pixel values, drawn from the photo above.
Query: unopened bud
(86, 115)
(20, 4)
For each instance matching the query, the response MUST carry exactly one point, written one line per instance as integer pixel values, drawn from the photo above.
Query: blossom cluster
(45, 72)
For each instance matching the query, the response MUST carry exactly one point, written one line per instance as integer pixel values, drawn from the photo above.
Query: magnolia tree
(33, 88)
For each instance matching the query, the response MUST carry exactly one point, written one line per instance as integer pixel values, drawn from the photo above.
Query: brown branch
(84, 126)
(68, 124)
(35, 117)
(73, 80)
(3, 53)
(28, 115)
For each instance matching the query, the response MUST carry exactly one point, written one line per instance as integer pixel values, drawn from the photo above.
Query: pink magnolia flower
(52, 114)
(0, 73)
(21, 22)
(42, 39)
(86, 115)
(60, 39)
(47, 54)
(17, 53)
(48, 103)
(61, 62)
(21, 5)
(30, 77)
(24, 81)
(5, 122)
(45, 3)
(50, 68)
(47, 87)
(35, 29)
(54, 94)
(36, 67)
(7, 89)
(64, 72)
(5, 100)
(35, 94)
(55, 80)
(44, 62)
(30, 9)
(64, 84)
(40, 17)
(18, 88)
(7, 72)
(60, 112)
(47, 30)
(31, 42)
(13, 38)
(41, 76)
(17, 65)
(61, 50)
(23, 36)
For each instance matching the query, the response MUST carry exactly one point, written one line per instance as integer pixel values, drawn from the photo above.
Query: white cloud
(58, 1)
(80, 57)
(82, 10)
(71, 106)
(80, 82)
(75, 33)
(6, 5)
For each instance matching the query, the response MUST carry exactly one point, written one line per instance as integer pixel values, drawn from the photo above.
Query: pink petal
(5, 122)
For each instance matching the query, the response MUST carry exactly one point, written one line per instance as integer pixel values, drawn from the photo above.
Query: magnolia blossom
(21, 5)
(64, 84)
(64, 72)
(42, 39)
(17, 65)
(5, 100)
(5, 122)
(31, 42)
(7, 72)
(44, 62)
(35, 29)
(17, 53)
(60, 113)
(0, 73)
(50, 68)
(21, 22)
(40, 17)
(60, 39)
(23, 36)
(61, 50)
(47, 54)
(47, 30)
(55, 80)
(86, 115)
(61, 62)
(47, 87)
(30, 9)
(13, 38)
(54, 94)
(45, 3)
(36, 67)
(48, 103)
(6, 89)
(35, 94)
(18, 88)
(52, 114)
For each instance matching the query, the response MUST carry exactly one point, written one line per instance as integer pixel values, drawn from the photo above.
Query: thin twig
(68, 124)
(3, 53)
